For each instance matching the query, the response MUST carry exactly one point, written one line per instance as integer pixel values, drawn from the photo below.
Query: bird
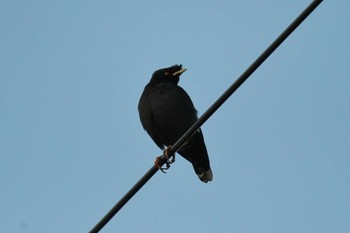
(166, 112)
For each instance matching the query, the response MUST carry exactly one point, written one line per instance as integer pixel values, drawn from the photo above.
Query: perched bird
(167, 112)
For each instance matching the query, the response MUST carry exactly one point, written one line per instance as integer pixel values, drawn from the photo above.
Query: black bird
(167, 112)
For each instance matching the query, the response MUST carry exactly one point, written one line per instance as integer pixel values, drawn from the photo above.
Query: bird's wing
(147, 118)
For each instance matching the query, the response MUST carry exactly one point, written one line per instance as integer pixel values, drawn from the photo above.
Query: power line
(313, 5)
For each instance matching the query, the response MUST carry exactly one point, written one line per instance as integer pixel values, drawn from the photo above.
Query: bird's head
(170, 75)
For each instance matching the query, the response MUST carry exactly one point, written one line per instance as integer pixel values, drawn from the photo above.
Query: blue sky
(71, 143)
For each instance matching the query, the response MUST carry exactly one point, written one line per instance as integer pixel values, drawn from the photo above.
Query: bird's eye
(166, 73)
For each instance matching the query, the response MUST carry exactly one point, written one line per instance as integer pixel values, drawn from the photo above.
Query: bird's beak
(179, 72)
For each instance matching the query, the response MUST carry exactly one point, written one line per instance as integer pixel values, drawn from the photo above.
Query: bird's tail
(196, 152)
(204, 176)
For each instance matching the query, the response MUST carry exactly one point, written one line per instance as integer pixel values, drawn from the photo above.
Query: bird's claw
(157, 163)
(169, 160)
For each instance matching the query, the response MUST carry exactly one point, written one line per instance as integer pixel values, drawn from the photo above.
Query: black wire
(208, 113)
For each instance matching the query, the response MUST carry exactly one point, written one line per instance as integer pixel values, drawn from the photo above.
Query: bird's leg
(169, 159)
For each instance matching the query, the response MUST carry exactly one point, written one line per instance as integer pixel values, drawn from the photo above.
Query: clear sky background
(71, 143)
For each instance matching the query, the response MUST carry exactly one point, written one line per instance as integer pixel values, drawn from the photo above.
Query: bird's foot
(169, 159)
(158, 164)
